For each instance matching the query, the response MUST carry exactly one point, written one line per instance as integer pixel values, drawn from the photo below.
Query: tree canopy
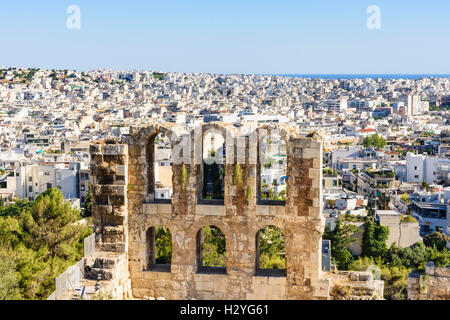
(214, 247)
(341, 237)
(394, 263)
(41, 240)
(436, 239)
(374, 239)
(374, 141)
(271, 246)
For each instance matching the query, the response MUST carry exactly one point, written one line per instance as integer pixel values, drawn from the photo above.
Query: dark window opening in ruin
(211, 251)
(213, 168)
(270, 252)
(106, 179)
(159, 157)
(272, 166)
(159, 242)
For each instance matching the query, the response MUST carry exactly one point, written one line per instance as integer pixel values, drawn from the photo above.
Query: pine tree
(88, 202)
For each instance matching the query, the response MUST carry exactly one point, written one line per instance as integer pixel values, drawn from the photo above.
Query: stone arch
(224, 128)
(264, 223)
(208, 221)
(277, 271)
(145, 138)
(193, 233)
(286, 133)
(152, 233)
(227, 132)
(139, 135)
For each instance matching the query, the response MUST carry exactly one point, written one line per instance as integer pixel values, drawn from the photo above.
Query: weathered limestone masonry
(355, 285)
(433, 284)
(109, 172)
(125, 209)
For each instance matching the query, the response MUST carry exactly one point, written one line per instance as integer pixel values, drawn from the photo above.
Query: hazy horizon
(297, 75)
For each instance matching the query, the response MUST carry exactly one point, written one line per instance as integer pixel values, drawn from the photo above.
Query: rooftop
(386, 213)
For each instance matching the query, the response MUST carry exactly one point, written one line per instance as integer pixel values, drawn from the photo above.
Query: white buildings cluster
(48, 118)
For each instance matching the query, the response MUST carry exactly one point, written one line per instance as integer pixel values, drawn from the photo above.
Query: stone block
(260, 280)
(217, 211)
(262, 210)
(115, 149)
(164, 275)
(121, 170)
(150, 208)
(202, 210)
(314, 173)
(164, 208)
(220, 285)
(311, 153)
(277, 281)
(150, 275)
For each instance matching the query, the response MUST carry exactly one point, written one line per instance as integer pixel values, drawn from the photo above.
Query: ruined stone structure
(125, 211)
(432, 284)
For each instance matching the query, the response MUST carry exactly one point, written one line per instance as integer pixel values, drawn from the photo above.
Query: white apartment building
(421, 168)
(24, 180)
(416, 106)
(339, 105)
(362, 104)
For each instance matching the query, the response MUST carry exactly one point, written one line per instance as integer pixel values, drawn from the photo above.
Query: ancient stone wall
(125, 209)
(355, 285)
(109, 179)
(433, 284)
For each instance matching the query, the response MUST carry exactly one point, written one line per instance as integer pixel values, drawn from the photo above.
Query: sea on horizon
(365, 76)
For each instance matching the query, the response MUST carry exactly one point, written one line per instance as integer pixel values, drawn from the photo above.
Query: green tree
(374, 239)
(436, 239)
(50, 223)
(88, 202)
(395, 278)
(396, 264)
(411, 257)
(395, 282)
(374, 141)
(341, 237)
(440, 258)
(163, 245)
(9, 281)
(272, 250)
(42, 239)
(214, 247)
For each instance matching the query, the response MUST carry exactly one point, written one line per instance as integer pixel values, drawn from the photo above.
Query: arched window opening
(159, 241)
(211, 250)
(270, 252)
(163, 168)
(273, 164)
(213, 166)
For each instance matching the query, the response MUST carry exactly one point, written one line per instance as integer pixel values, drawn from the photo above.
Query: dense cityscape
(385, 167)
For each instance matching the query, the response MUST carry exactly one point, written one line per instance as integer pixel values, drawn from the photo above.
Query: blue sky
(245, 36)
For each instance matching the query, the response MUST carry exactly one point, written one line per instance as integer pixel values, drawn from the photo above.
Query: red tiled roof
(367, 130)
